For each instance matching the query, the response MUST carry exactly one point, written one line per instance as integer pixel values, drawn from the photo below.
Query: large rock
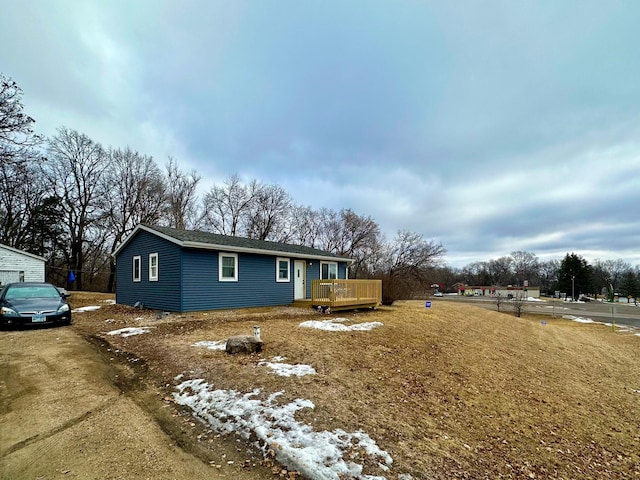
(244, 344)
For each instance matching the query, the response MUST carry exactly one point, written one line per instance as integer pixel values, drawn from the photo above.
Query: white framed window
(137, 268)
(153, 267)
(228, 267)
(283, 269)
(328, 270)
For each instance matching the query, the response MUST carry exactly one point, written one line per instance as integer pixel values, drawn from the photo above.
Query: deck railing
(340, 292)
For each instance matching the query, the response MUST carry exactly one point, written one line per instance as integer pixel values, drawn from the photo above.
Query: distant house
(19, 266)
(183, 270)
(486, 290)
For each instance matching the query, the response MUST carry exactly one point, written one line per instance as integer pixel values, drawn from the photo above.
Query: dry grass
(450, 392)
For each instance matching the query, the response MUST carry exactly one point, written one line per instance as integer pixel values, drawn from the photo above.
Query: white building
(19, 266)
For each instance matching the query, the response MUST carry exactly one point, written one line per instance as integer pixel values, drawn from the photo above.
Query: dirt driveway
(67, 412)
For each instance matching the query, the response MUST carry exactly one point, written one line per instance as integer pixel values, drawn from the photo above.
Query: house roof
(213, 241)
(22, 252)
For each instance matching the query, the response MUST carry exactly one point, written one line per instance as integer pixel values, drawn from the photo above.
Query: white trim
(299, 283)
(139, 277)
(227, 248)
(152, 277)
(328, 270)
(283, 280)
(222, 255)
(22, 252)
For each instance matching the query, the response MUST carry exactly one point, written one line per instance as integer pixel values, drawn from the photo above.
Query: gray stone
(243, 344)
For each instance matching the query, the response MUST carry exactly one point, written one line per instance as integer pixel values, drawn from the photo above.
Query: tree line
(573, 275)
(72, 201)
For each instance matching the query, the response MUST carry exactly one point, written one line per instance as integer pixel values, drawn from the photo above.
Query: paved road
(621, 313)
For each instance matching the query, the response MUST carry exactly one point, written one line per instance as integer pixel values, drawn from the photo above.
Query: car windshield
(36, 291)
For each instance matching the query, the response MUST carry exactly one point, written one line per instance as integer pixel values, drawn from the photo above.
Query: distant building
(493, 291)
(19, 266)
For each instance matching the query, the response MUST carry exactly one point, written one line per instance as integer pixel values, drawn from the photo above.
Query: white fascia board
(146, 229)
(22, 252)
(258, 251)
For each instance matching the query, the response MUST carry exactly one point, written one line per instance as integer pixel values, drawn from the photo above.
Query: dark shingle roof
(195, 238)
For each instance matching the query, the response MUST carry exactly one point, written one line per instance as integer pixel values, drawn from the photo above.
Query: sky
(490, 127)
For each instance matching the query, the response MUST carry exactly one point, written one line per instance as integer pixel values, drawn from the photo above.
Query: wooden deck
(339, 294)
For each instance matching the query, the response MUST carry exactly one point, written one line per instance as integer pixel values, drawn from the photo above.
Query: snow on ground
(88, 308)
(129, 331)
(620, 328)
(336, 325)
(286, 369)
(318, 455)
(578, 319)
(212, 344)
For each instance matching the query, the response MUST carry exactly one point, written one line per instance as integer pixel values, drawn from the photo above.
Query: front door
(299, 279)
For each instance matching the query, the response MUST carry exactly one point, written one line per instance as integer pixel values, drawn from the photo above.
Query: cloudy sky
(488, 126)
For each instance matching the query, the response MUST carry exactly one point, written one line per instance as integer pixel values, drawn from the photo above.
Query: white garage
(19, 266)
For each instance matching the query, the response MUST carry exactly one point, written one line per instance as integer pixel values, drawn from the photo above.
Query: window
(328, 270)
(153, 267)
(228, 267)
(282, 269)
(137, 271)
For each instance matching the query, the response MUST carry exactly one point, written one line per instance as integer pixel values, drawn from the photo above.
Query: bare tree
(526, 266)
(499, 301)
(303, 226)
(610, 272)
(404, 261)
(501, 270)
(519, 303)
(329, 226)
(134, 194)
(181, 197)
(225, 207)
(267, 213)
(549, 275)
(17, 138)
(359, 238)
(477, 273)
(74, 174)
(20, 192)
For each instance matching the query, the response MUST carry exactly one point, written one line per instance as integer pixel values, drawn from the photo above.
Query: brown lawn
(453, 391)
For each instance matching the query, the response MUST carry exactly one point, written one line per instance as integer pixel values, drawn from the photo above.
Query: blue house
(181, 270)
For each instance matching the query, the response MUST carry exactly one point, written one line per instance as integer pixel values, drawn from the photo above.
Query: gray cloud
(490, 127)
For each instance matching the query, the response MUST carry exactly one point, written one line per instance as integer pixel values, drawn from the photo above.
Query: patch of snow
(212, 345)
(286, 370)
(336, 325)
(88, 308)
(129, 331)
(109, 301)
(317, 455)
(578, 319)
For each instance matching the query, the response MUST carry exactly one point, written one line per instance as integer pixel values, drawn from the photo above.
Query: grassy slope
(450, 392)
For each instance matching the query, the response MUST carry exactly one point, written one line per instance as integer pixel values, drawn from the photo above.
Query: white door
(298, 279)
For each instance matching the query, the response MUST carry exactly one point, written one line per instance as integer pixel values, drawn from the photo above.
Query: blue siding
(256, 285)
(313, 273)
(163, 294)
(188, 278)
